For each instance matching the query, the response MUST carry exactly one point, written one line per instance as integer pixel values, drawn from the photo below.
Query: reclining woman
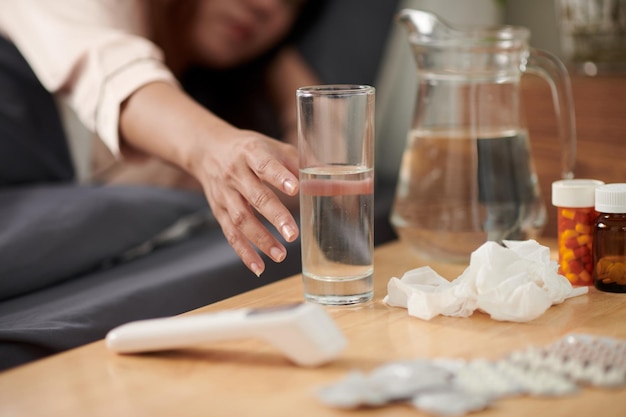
(154, 79)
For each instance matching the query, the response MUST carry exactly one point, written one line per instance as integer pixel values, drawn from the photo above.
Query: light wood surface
(250, 378)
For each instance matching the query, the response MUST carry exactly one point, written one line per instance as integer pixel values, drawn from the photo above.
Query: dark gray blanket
(55, 232)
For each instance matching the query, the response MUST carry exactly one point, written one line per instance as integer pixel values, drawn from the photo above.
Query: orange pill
(576, 267)
(584, 239)
(583, 229)
(585, 277)
(581, 251)
(581, 216)
(565, 224)
(567, 255)
(571, 243)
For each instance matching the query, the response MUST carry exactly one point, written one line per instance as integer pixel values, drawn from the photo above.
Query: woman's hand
(238, 169)
(236, 175)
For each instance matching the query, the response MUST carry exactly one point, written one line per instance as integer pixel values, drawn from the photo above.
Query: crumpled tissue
(516, 282)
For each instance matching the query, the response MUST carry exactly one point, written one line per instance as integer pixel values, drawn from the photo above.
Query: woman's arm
(235, 167)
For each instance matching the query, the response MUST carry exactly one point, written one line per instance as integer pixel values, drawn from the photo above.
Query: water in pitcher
(456, 191)
(337, 208)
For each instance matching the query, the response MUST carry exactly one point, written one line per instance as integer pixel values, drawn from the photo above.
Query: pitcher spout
(425, 25)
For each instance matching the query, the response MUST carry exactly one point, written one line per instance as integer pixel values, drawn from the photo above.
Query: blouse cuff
(118, 87)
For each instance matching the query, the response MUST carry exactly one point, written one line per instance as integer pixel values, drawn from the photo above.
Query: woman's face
(226, 33)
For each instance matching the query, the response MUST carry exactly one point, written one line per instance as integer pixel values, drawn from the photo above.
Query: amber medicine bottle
(609, 234)
(576, 215)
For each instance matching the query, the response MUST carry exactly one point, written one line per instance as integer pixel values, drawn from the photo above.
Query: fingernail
(277, 254)
(288, 232)
(257, 269)
(290, 186)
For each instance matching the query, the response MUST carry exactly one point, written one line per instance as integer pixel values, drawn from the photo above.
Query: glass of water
(336, 149)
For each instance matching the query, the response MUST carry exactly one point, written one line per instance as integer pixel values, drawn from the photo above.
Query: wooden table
(250, 378)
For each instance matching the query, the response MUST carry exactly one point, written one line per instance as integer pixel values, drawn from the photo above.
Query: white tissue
(517, 283)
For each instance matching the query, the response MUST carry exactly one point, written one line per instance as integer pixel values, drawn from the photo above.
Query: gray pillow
(55, 232)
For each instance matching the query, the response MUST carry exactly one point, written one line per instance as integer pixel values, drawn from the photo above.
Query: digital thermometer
(304, 332)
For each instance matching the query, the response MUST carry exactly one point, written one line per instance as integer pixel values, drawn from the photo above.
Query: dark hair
(310, 12)
(238, 94)
(308, 15)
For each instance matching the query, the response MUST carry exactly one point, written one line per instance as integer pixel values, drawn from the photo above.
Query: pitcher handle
(550, 68)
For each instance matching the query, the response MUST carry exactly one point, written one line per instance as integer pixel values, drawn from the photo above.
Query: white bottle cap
(576, 193)
(611, 198)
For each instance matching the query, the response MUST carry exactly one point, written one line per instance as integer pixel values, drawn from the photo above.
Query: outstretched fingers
(244, 231)
(235, 207)
(241, 178)
(269, 170)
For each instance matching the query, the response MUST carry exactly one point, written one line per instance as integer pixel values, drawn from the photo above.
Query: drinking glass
(336, 151)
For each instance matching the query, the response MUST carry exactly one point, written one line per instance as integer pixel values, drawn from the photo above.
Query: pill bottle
(576, 216)
(609, 254)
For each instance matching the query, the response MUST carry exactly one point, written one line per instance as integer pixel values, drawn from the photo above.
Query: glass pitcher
(466, 174)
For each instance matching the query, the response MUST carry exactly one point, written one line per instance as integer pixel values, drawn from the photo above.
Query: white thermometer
(304, 332)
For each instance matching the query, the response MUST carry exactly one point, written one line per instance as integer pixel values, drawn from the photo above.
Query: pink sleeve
(93, 53)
